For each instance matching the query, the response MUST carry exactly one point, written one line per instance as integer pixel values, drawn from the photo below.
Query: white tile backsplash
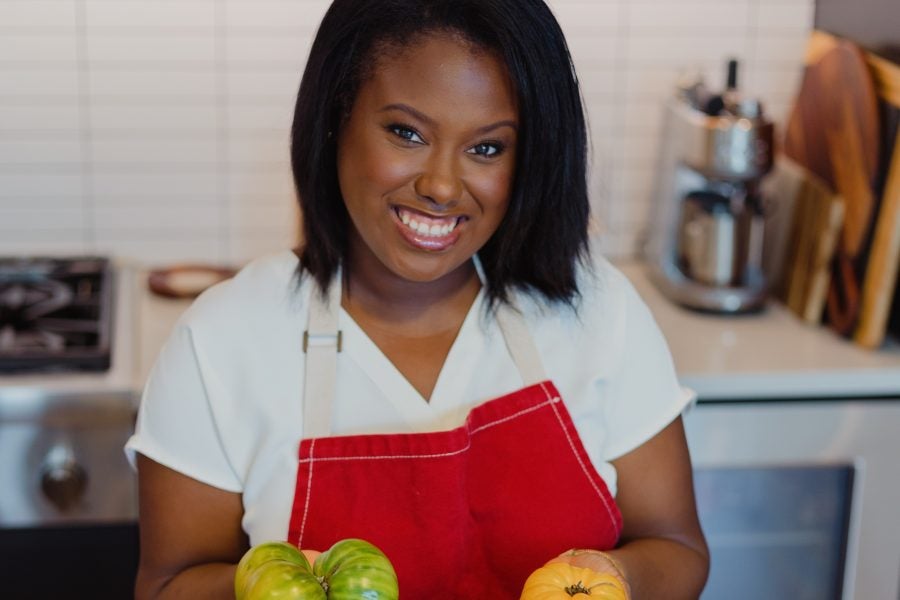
(57, 47)
(104, 16)
(156, 187)
(171, 217)
(31, 215)
(29, 83)
(19, 188)
(697, 17)
(144, 48)
(127, 85)
(776, 47)
(599, 51)
(283, 49)
(159, 129)
(245, 186)
(588, 18)
(775, 16)
(268, 115)
(21, 150)
(38, 116)
(679, 48)
(252, 86)
(37, 16)
(143, 115)
(137, 150)
(45, 241)
(298, 18)
(162, 249)
(256, 213)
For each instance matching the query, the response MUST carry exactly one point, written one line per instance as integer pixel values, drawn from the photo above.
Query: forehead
(443, 72)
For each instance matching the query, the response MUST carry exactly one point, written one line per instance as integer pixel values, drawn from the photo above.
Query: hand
(595, 560)
(311, 555)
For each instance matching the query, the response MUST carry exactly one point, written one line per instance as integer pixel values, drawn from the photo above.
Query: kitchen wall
(158, 129)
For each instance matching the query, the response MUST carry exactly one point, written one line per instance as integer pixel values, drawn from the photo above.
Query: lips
(425, 231)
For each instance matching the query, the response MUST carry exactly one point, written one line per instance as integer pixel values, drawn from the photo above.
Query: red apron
(467, 513)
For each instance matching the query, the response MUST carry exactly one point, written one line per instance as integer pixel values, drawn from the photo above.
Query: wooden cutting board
(815, 225)
(780, 188)
(884, 255)
(833, 132)
(880, 287)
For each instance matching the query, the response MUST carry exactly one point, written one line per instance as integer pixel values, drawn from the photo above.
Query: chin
(425, 269)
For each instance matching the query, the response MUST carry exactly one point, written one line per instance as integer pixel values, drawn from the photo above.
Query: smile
(427, 225)
(428, 232)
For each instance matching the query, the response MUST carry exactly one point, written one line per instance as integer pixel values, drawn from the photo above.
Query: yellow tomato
(562, 581)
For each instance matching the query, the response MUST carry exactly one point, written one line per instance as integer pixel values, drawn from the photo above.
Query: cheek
(494, 192)
(371, 168)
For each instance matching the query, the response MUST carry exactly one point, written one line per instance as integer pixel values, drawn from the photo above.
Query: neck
(371, 287)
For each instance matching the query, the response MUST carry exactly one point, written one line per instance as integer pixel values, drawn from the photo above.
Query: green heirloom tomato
(263, 553)
(354, 569)
(283, 580)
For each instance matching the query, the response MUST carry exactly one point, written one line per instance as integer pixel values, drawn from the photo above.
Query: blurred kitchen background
(158, 129)
(144, 155)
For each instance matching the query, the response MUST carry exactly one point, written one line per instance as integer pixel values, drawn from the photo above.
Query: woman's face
(426, 158)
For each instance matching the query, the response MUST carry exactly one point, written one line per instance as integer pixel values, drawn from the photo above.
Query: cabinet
(799, 498)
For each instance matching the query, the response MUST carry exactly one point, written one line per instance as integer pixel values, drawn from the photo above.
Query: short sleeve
(645, 395)
(176, 425)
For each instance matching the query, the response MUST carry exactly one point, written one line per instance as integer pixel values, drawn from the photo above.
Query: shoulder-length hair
(543, 237)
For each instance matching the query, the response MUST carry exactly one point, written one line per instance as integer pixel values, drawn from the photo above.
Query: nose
(439, 182)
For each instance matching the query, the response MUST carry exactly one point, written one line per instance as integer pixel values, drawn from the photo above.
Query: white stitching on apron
(584, 468)
(312, 447)
(522, 412)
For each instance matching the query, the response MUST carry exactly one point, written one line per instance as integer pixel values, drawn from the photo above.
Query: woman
(444, 368)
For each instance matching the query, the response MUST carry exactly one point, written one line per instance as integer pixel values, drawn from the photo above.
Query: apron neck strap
(322, 342)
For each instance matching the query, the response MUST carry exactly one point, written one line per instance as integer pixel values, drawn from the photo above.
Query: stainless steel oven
(799, 497)
(68, 502)
(67, 496)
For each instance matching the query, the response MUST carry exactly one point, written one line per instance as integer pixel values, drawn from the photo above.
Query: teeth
(430, 229)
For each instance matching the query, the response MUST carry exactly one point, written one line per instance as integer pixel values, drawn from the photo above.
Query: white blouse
(223, 403)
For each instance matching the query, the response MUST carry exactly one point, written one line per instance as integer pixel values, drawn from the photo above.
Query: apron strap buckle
(318, 340)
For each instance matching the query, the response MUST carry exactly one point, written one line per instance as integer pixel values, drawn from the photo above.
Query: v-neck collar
(458, 366)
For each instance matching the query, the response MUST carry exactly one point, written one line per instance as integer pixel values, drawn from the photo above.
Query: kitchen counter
(769, 355)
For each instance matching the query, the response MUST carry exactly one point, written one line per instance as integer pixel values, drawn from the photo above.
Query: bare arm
(663, 553)
(191, 537)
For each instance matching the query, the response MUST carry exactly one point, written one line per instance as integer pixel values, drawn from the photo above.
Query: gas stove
(67, 390)
(67, 406)
(56, 314)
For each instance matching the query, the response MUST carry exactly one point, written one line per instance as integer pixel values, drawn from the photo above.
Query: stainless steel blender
(705, 247)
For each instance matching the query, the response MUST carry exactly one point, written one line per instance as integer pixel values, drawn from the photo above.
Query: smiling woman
(444, 368)
(426, 159)
(524, 60)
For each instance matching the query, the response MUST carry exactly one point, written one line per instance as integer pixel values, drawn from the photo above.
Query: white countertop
(771, 354)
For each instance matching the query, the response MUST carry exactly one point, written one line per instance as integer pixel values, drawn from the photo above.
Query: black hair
(543, 236)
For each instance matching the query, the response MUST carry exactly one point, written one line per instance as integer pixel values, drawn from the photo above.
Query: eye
(406, 133)
(487, 149)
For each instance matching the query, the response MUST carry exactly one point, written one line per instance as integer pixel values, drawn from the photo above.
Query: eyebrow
(430, 122)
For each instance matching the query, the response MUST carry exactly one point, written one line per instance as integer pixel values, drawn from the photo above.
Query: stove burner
(54, 314)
